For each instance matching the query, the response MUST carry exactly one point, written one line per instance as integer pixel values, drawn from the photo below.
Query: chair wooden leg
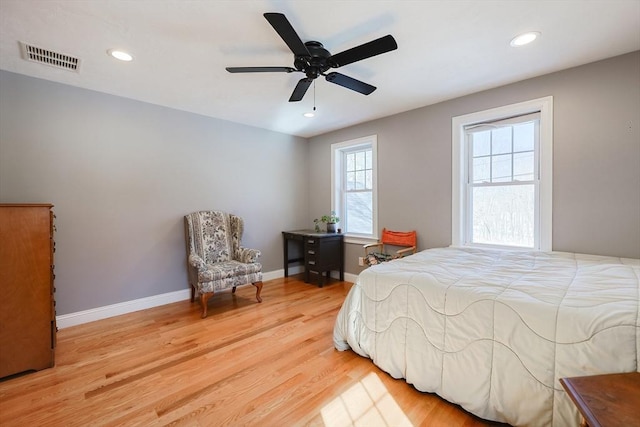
(258, 285)
(204, 298)
(193, 293)
(233, 291)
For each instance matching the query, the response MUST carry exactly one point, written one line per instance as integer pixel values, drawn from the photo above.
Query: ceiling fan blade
(350, 83)
(364, 51)
(260, 69)
(300, 90)
(283, 27)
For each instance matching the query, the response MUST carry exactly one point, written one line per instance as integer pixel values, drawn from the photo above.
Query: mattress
(494, 331)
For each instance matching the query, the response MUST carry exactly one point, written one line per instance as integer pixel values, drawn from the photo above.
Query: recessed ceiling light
(120, 54)
(309, 114)
(525, 38)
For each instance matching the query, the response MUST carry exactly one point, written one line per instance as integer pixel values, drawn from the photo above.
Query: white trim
(276, 274)
(99, 313)
(359, 240)
(350, 277)
(459, 174)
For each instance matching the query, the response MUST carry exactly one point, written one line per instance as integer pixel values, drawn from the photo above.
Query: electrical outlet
(360, 261)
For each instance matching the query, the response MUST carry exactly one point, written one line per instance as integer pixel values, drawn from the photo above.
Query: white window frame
(460, 155)
(337, 183)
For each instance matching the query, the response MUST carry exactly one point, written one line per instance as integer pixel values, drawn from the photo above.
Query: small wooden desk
(322, 252)
(609, 400)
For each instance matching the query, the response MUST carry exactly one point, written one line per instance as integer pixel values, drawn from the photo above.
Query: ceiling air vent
(49, 57)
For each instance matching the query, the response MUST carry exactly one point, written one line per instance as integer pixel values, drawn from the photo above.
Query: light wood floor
(269, 364)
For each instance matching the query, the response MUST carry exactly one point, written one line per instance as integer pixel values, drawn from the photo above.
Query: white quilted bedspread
(494, 331)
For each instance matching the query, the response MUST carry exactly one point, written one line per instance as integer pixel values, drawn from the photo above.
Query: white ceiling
(181, 48)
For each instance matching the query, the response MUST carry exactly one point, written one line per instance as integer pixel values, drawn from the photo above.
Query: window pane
(501, 168)
(359, 213)
(523, 137)
(369, 163)
(351, 181)
(350, 161)
(501, 140)
(504, 215)
(360, 161)
(481, 145)
(360, 180)
(482, 169)
(523, 166)
(369, 180)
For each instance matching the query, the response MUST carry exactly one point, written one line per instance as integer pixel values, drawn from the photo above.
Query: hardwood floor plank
(268, 364)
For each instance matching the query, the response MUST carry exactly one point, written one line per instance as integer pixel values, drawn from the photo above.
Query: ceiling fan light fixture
(309, 114)
(525, 38)
(120, 55)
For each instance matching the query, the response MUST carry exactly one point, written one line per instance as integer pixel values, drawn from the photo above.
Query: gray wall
(596, 187)
(122, 174)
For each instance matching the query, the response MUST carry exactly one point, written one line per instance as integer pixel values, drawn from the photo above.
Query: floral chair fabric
(215, 258)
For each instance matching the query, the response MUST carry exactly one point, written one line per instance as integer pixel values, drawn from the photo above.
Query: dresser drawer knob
(311, 241)
(312, 263)
(311, 252)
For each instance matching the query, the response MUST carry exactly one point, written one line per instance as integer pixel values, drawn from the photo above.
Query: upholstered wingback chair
(215, 259)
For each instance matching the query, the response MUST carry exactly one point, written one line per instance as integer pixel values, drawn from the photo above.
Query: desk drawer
(323, 254)
(312, 252)
(311, 242)
(311, 255)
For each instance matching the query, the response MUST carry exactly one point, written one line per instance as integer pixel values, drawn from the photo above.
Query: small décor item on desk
(331, 221)
(608, 400)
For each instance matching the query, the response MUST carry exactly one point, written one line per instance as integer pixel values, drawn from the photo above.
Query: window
(502, 167)
(354, 186)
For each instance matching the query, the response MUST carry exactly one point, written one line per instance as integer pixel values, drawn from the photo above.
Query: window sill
(356, 240)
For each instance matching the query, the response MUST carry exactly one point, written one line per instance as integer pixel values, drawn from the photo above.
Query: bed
(494, 331)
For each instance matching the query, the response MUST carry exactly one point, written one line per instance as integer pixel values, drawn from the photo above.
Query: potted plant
(331, 221)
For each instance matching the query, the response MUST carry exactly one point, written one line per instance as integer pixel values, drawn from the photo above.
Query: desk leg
(285, 243)
(342, 261)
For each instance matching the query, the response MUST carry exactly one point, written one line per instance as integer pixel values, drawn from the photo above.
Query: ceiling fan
(312, 59)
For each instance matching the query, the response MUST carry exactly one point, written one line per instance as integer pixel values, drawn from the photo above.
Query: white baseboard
(280, 273)
(99, 313)
(86, 316)
(349, 277)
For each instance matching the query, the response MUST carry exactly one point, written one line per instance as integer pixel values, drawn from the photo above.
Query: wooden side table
(609, 400)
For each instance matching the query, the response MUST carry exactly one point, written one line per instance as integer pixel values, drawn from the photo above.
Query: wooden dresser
(27, 314)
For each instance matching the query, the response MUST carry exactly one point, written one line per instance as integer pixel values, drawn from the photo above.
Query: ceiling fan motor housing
(316, 64)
